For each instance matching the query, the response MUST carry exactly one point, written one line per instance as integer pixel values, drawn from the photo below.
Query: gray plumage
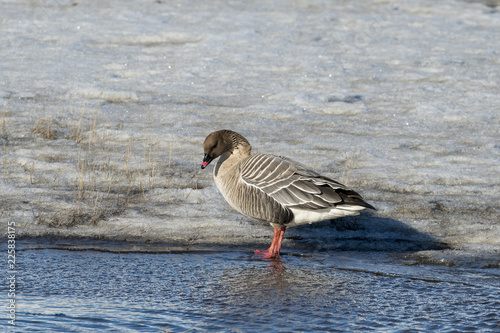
(275, 189)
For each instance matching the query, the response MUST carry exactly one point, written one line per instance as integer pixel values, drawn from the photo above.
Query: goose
(275, 189)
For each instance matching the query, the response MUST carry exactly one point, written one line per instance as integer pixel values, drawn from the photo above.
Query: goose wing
(294, 185)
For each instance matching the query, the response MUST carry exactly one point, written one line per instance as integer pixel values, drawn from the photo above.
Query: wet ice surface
(105, 105)
(156, 287)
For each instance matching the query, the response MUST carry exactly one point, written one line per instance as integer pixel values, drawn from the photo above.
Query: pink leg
(274, 249)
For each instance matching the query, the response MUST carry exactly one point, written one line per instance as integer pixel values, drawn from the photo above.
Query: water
(132, 287)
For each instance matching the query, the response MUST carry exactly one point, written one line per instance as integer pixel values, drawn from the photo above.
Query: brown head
(221, 142)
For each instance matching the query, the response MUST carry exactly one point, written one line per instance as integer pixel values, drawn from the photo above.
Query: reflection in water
(262, 290)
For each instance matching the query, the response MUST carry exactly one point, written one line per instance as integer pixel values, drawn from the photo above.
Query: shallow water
(127, 287)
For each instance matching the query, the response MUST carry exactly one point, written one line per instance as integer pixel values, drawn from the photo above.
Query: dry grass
(109, 177)
(4, 120)
(4, 117)
(5, 161)
(45, 128)
(98, 189)
(195, 175)
(101, 186)
(348, 167)
(76, 132)
(86, 172)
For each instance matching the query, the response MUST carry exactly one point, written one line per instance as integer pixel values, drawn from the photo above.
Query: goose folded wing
(290, 183)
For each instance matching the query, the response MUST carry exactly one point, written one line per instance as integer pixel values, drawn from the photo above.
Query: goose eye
(215, 145)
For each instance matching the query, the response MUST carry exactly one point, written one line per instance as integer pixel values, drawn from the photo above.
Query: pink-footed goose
(275, 189)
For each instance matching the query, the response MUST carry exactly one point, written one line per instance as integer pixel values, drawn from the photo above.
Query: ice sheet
(105, 105)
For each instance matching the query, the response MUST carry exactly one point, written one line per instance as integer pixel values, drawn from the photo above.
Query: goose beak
(206, 161)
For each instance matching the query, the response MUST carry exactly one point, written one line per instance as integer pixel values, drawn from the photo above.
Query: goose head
(214, 146)
(222, 142)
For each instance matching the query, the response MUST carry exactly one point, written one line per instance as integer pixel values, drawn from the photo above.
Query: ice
(105, 105)
(106, 95)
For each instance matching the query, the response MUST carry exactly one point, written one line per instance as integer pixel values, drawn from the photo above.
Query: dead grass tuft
(45, 128)
(350, 164)
(4, 117)
(93, 175)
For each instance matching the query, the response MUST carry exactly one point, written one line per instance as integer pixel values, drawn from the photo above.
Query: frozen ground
(105, 105)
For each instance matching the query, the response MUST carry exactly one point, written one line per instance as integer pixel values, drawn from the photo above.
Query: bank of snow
(104, 112)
